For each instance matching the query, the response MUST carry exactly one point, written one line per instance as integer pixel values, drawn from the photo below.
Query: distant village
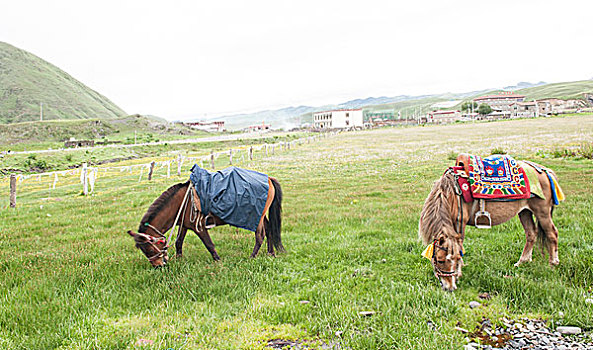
(503, 105)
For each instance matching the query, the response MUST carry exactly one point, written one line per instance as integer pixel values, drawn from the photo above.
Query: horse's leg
(205, 237)
(526, 218)
(259, 239)
(551, 233)
(179, 242)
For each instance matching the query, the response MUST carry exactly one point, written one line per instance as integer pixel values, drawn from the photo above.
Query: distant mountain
(26, 81)
(523, 85)
(405, 105)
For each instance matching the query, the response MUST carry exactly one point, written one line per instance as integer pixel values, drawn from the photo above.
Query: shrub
(497, 150)
(586, 150)
(452, 155)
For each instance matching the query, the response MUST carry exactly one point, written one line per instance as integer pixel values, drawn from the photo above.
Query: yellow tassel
(559, 192)
(427, 253)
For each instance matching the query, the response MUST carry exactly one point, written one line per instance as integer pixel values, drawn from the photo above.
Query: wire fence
(29, 189)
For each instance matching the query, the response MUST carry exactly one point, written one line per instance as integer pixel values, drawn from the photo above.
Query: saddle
(497, 177)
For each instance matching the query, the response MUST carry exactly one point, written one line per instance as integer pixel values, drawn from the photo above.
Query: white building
(338, 119)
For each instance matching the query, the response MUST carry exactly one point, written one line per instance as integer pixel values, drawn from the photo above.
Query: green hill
(566, 90)
(27, 80)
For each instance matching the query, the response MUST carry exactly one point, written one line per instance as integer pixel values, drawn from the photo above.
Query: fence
(83, 180)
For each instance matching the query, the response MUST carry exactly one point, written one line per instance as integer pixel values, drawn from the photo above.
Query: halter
(161, 252)
(438, 272)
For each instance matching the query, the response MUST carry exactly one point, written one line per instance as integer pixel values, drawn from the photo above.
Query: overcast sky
(179, 59)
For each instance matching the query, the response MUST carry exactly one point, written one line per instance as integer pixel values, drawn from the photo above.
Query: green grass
(73, 279)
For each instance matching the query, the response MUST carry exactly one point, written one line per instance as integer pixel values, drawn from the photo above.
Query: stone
(568, 330)
(474, 304)
(366, 313)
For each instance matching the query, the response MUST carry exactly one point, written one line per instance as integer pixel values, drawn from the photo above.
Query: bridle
(458, 228)
(437, 271)
(161, 252)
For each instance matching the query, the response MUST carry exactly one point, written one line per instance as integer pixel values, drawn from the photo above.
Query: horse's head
(437, 229)
(447, 260)
(154, 248)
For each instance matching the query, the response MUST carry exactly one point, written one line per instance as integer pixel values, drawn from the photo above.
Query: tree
(469, 106)
(484, 109)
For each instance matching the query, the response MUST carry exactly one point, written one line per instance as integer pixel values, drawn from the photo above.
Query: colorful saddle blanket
(237, 196)
(497, 177)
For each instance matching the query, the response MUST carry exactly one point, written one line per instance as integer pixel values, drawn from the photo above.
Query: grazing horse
(180, 205)
(446, 214)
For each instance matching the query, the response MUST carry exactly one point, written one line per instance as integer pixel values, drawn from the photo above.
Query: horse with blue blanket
(233, 196)
(483, 193)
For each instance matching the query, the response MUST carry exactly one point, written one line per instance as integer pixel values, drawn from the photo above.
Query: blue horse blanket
(237, 196)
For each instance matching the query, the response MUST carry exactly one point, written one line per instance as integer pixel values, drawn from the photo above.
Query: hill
(568, 90)
(27, 80)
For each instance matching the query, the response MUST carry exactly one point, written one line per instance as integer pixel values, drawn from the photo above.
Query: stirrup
(211, 225)
(483, 219)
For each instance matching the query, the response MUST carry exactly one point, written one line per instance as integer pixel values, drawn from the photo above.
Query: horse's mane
(159, 203)
(438, 211)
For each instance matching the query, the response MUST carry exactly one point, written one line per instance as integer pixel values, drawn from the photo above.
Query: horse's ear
(131, 233)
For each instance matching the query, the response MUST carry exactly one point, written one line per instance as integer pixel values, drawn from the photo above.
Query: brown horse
(178, 206)
(442, 224)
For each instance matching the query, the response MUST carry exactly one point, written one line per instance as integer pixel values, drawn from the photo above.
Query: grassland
(72, 279)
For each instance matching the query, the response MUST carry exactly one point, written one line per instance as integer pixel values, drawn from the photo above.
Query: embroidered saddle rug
(497, 177)
(237, 196)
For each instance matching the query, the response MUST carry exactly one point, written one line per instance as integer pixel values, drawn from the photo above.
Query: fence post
(231, 156)
(212, 159)
(168, 169)
(151, 170)
(250, 152)
(85, 180)
(179, 165)
(12, 190)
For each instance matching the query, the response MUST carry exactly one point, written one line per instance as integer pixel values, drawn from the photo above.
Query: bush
(497, 150)
(586, 150)
(452, 155)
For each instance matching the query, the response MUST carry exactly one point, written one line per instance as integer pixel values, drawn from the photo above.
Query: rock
(304, 302)
(462, 330)
(474, 304)
(485, 296)
(568, 330)
(366, 313)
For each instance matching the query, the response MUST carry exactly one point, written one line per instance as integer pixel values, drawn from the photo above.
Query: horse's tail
(275, 215)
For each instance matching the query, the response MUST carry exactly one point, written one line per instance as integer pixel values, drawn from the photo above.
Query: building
(259, 127)
(443, 117)
(338, 119)
(210, 126)
(72, 143)
(500, 102)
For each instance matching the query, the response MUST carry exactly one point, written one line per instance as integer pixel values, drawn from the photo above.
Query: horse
(445, 215)
(180, 205)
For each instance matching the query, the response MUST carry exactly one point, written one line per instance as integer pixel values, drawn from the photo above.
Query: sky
(195, 59)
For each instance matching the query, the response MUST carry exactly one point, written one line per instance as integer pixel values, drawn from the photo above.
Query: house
(72, 143)
(524, 109)
(338, 119)
(549, 106)
(500, 102)
(443, 117)
(210, 126)
(259, 127)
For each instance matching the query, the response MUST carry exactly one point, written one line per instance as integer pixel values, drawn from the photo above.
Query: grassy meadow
(71, 278)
